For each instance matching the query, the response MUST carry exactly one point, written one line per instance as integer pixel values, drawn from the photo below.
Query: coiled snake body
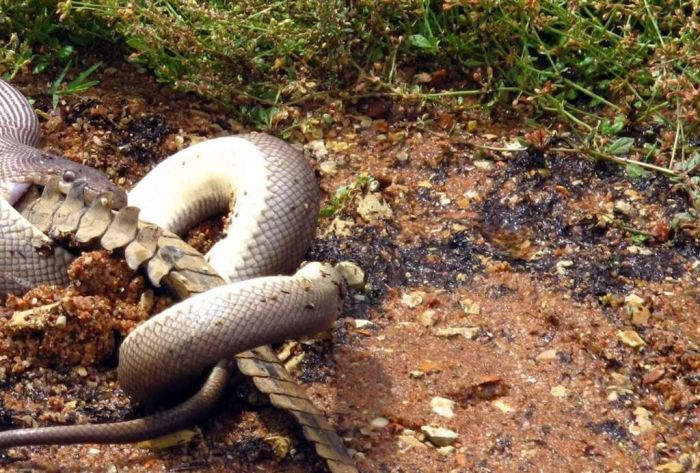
(273, 222)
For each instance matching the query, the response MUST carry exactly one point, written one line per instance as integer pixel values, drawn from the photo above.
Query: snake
(273, 198)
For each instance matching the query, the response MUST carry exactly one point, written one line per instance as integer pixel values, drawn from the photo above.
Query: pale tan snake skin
(273, 223)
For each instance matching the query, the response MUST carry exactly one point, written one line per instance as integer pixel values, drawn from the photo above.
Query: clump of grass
(607, 69)
(554, 56)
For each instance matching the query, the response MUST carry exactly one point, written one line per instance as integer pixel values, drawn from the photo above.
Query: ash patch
(316, 367)
(251, 451)
(144, 135)
(535, 201)
(611, 428)
(55, 389)
(443, 264)
(599, 270)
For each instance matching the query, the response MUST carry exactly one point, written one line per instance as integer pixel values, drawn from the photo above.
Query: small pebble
(280, 444)
(328, 168)
(409, 441)
(642, 422)
(442, 406)
(630, 338)
(362, 323)
(427, 318)
(469, 333)
(413, 299)
(353, 274)
(446, 451)
(547, 355)
(373, 207)
(670, 467)
(317, 148)
(439, 436)
(502, 406)
(470, 307)
(379, 422)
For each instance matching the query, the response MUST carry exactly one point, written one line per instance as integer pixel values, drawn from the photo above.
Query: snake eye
(69, 176)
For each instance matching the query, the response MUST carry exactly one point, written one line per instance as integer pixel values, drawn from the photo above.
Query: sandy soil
(545, 298)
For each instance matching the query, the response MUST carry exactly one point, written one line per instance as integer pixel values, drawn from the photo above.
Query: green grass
(607, 70)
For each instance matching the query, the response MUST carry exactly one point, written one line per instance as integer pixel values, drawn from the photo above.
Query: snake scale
(232, 300)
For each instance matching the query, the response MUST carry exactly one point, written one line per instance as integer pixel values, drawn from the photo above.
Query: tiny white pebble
(379, 422)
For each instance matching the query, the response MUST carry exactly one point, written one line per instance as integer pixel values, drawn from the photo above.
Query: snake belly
(273, 221)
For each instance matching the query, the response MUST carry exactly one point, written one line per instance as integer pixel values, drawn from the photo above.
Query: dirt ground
(538, 306)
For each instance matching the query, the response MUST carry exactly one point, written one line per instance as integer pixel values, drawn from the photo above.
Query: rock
(624, 208)
(622, 381)
(340, 227)
(408, 441)
(642, 423)
(547, 355)
(502, 406)
(362, 323)
(317, 148)
(427, 318)
(630, 338)
(422, 78)
(653, 375)
(470, 307)
(638, 250)
(373, 207)
(670, 467)
(353, 274)
(328, 168)
(439, 436)
(338, 146)
(563, 265)
(559, 391)
(379, 422)
(469, 333)
(637, 309)
(484, 164)
(413, 299)
(442, 406)
(280, 444)
(37, 318)
(446, 451)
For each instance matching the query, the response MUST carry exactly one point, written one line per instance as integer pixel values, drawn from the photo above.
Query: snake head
(68, 172)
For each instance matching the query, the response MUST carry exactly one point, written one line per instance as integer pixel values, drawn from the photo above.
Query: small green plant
(640, 238)
(345, 194)
(337, 202)
(80, 84)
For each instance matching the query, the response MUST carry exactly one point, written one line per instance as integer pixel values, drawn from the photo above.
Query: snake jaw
(113, 197)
